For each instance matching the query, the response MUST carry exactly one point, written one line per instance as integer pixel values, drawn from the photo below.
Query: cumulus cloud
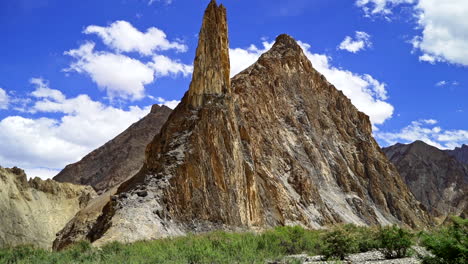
(427, 131)
(444, 26)
(360, 42)
(380, 7)
(164, 66)
(123, 37)
(121, 75)
(118, 75)
(365, 92)
(48, 143)
(4, 99)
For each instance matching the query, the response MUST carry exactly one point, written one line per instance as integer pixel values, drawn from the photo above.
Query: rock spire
(211, 67)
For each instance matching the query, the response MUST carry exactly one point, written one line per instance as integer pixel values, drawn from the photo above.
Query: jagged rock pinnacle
(211, 66)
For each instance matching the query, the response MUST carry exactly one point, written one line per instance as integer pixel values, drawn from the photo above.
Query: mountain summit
(275, 145)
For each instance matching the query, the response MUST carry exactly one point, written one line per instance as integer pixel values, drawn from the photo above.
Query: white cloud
(444, 31)
(169, 103)
(365, 92)
(118, 75)
(167, 2)
(443, 27)
(360, 42)
(242, 58)
(43, 90)
(121, 75)
(425, 130)
(43, 173)
(164, 66)
(441, 83)
(50, 143)
(4, 99)
(123, 37)
(380, 7)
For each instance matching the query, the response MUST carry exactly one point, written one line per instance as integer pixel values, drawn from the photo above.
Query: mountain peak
(211, 66)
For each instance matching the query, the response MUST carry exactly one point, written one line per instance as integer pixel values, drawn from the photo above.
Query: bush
(394, 241)
(338, 243)
(449, 244)
(364, 237)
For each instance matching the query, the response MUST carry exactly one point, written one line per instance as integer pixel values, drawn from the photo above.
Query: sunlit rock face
(275, 145)
(32, 212)
(438, 180)
(119, 158)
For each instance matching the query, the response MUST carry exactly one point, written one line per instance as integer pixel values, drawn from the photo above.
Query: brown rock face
(281, 146)
(211, 66)
(33, 212)
(437, 180)
(119, 158)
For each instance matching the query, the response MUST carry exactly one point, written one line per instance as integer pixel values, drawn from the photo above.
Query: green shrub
(449, 244)
(394, 241)
(338, 243)
(365, 237)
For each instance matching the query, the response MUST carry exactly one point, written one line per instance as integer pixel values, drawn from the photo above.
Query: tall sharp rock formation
(32, 212)
(118, 159)
(278, 145)
(461, 153)
(437, 180)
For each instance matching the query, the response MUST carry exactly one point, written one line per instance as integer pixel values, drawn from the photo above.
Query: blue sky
(74, 74)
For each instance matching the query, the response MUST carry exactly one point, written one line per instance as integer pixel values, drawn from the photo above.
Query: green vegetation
(448, 244)
(394, 241)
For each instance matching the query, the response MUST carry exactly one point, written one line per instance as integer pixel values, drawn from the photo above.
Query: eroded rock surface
(32, 212)
(460, 153)
(436, 179)
(277, 145)
(119, 158)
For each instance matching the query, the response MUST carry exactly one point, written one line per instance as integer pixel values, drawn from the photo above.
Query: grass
(224, 247)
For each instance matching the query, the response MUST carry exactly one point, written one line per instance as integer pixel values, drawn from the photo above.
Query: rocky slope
(461, 153)
(33, 212)
(119, 158)
(276, 145)
(436, 179)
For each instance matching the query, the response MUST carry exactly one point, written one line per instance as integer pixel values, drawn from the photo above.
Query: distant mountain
(436, 179)
(460, 154)
(275, 145)
(119, 158)
(32, 212)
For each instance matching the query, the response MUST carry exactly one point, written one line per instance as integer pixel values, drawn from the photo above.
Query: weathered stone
(119, 158)
(279, 146)
(33, 212)
(461, 153)
(437, 180)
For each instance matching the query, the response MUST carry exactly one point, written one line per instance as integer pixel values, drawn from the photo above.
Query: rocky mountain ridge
(275, 145)
(118, 159)
(33, 211)
(437, 180)
(460, 153)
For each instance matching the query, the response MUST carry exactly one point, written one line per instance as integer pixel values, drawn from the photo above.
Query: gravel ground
(371, 257)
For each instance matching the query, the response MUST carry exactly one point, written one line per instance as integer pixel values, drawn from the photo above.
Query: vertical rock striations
(118, 159)
(437, 180)
(461, 154)
(211, 67)
(279, 146)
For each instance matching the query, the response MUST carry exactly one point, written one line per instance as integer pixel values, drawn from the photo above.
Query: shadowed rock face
(119, 158)
(461, 154)
(278, 145)
(437, 180)
(33, 212)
